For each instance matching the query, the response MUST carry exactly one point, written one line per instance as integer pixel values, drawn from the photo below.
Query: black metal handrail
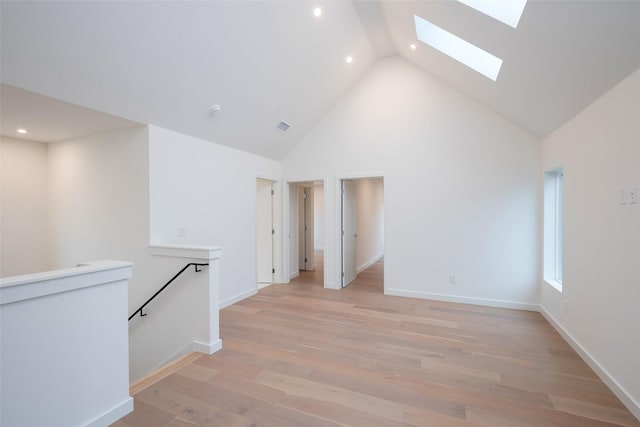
(139, 310)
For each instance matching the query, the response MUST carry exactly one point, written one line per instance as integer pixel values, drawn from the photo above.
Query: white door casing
(264, 216)
(349, 232)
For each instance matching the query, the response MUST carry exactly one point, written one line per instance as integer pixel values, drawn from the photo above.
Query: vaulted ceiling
(167, 63)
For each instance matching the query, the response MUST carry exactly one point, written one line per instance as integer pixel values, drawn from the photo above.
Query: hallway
(370, 280)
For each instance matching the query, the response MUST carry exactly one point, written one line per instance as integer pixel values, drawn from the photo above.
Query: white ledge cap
(27, 286)
(186, 251)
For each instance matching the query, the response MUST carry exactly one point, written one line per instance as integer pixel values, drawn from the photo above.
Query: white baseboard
(190, 347)
(318, 248)
(332, 285)
(239, 297)
(464, 300)
(294, 275)
(206, 348)
(113, 414)
(615, 387)
(369, 263)
(264, 285)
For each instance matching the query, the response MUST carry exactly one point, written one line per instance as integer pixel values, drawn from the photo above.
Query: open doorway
(265, 232)
(306, 228)
(362, 232)
(306, 232)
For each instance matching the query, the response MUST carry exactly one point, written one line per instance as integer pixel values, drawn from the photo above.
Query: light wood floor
(299, 355)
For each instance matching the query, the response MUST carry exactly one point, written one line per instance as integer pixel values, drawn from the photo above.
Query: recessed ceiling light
(412, 46)
(23, 131)
(348, 59)
(317, 12)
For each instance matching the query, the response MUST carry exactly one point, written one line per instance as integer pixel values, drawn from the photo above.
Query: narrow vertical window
(553, 225)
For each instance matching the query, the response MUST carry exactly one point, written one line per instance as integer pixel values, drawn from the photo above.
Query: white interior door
(305, 228)
(309, 230)
(264, 214)
(302, 247)
(349, 232)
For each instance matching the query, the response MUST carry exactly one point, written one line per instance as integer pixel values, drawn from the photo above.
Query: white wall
(98, 197)
(318, 216)
(462, 187)
(23, 207)
(599, 151)
(99, 209)
(99, 192)
(370, 221)
(64, 347)
(208, 192)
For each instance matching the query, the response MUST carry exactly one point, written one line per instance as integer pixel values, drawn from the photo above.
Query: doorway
(306, 227)
(362, 231)
(306, 231)
(265, 232)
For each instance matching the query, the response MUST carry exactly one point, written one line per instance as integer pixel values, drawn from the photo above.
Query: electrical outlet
(633, 195)
(182, 231)
(452, 279)
(623, 196)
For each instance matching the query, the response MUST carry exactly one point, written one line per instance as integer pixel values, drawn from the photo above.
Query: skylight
(506, 11)
(457, 48)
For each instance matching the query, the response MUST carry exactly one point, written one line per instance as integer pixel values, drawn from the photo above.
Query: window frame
(553, 227)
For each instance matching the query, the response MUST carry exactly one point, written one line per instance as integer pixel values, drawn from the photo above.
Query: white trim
(286, 223)
(554, 284)
(332, 285)
(113, 414)
(294, 275)
(264, 285)
(27, 286)
(615, 387)
(237, 298)
(463, 300)
(206, 348)
(186, 251)
(369, 263)
(190, 347)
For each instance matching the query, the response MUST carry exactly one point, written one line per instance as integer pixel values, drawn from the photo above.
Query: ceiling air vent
(283, 126)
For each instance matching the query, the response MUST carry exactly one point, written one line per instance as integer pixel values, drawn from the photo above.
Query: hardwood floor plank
(144, 415)
(591, 410)
(301, 355)
(164, 371)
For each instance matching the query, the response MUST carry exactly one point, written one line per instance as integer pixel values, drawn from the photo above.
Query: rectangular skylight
(506, 11)
(457, 48)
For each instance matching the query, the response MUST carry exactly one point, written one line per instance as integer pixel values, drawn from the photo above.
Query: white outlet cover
(623, 196)
(633, 195)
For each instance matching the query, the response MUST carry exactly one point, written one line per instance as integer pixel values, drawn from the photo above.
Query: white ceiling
(50, 120)
(167, 63)
(562, 57)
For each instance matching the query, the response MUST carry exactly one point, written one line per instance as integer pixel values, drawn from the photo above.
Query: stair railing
(139, 310)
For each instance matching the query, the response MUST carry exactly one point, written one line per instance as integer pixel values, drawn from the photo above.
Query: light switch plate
(633, 195)
(623, 196)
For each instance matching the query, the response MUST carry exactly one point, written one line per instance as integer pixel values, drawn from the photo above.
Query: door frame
(342, 232)
(338, 220)
(276, 184)
(286, 226)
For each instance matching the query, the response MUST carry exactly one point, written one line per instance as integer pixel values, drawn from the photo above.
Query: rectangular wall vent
(283, 126)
